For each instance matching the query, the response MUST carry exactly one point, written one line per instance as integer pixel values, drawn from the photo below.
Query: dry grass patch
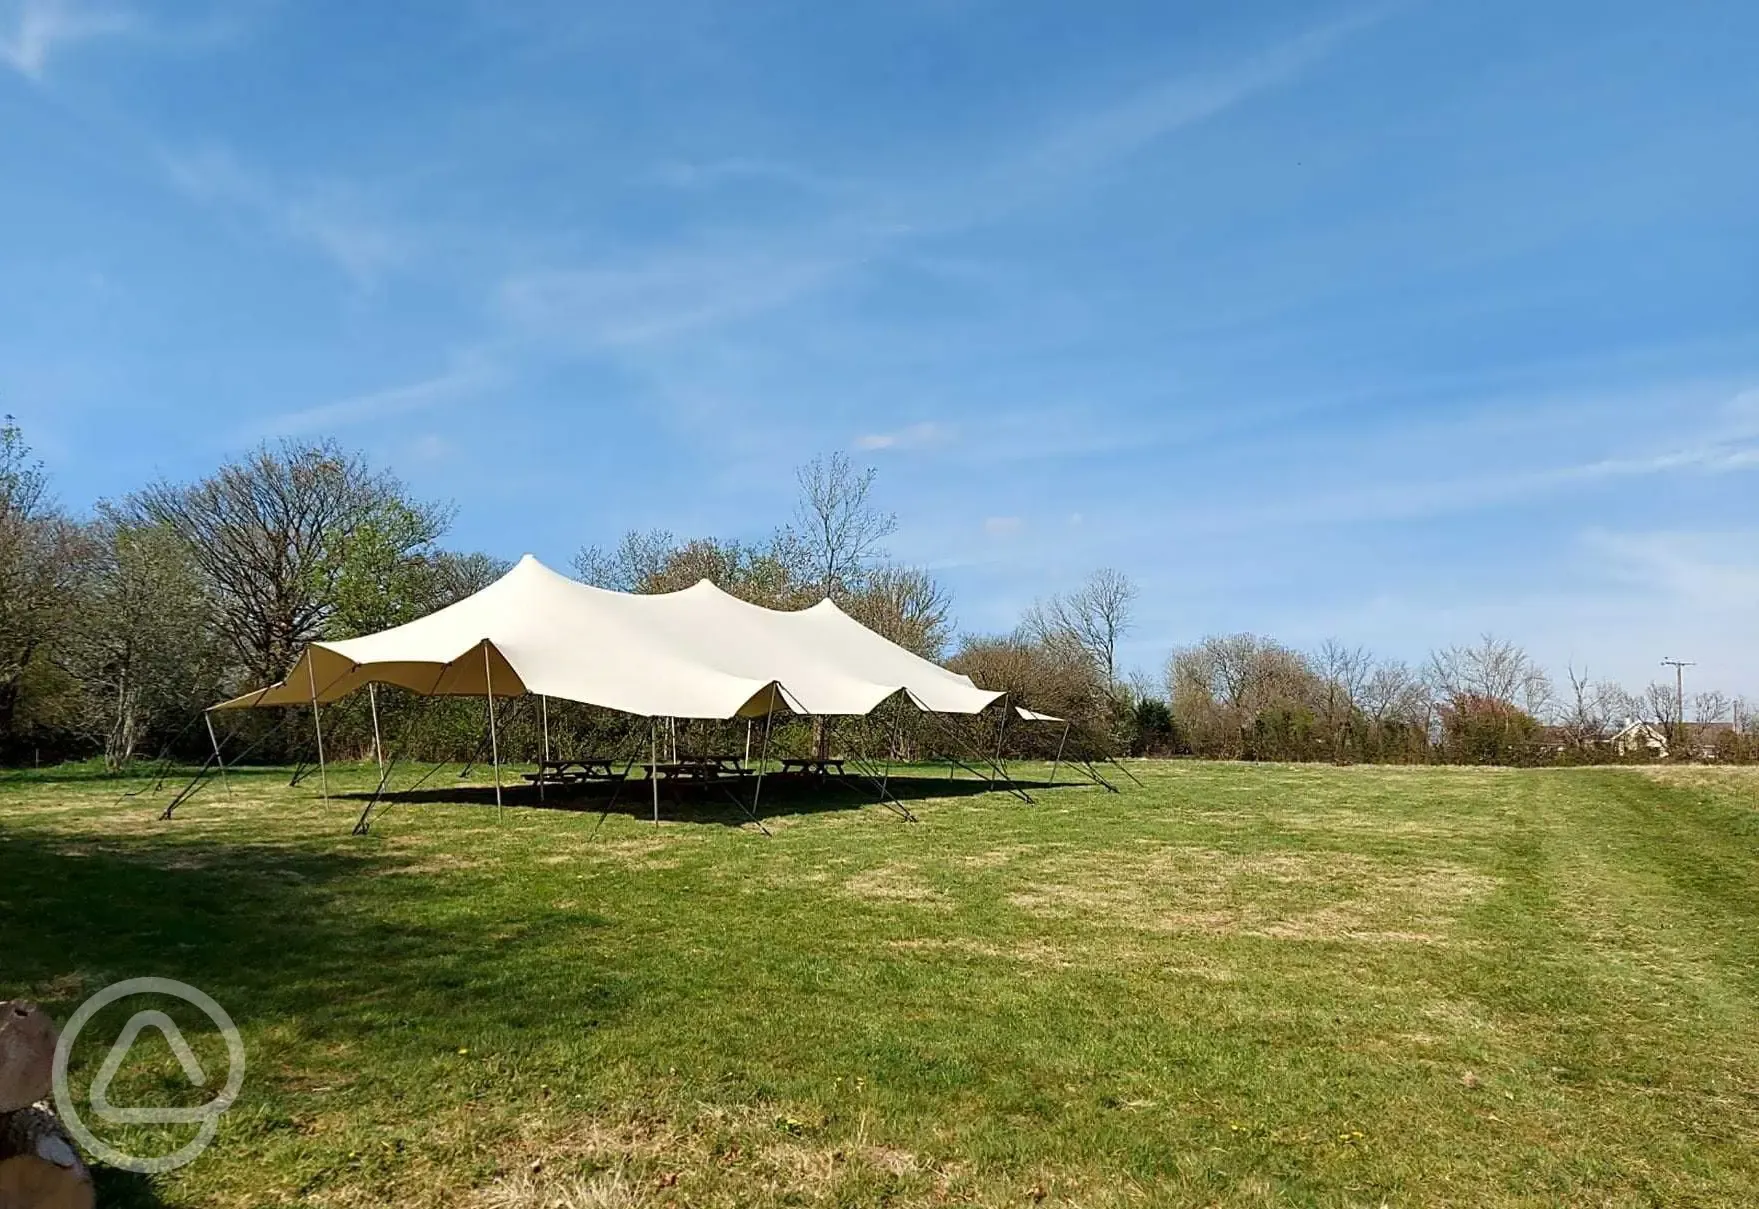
(894, 883)
(1286, 895)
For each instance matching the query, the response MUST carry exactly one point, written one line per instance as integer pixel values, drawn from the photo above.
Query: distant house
(1638, 738)
(1702, 740)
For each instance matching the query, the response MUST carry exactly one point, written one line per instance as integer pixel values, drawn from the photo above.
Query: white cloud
(915, 436)
(1003, 526)
(40, 27)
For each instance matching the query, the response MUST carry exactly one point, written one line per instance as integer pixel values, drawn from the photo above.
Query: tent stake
(494, 740)
(311, 673)
(218, 759)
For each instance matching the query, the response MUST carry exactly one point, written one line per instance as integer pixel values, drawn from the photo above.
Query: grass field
(1239, 985)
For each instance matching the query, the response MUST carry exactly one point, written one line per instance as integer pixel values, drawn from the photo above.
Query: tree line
(118, 627)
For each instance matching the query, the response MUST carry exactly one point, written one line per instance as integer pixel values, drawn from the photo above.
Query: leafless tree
(639, 558)
(905, 605)
(837, 530)
(1343, 673)
(1593, 710)
(270, 535)
(1090, 620)
(1495, 670)
(1710, 707)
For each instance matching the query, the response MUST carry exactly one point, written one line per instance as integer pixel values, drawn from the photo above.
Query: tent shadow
(719, 804)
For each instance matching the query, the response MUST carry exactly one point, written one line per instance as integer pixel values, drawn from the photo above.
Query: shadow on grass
(712, 803)
(307, 947)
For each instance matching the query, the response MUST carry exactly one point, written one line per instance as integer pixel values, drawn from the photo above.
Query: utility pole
(1679, 667)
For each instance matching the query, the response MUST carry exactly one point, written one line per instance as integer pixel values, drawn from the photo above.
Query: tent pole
(1059, 759)
(218, 759)
(494, 740)
(764, 758)
(1001, 731)
(544, 705)
(372, 696)
(653, 769)
(311, 673)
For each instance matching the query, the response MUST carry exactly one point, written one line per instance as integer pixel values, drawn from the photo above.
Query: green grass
(1239, 985)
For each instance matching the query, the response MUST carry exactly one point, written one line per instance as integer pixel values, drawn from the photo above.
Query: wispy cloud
(670, 294)
(39, 28)
(915, 436)
(330, 217)
(736, 274)
(470, 374)
(1003, 526)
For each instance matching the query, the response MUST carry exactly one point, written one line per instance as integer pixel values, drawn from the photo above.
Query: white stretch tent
(698, 653)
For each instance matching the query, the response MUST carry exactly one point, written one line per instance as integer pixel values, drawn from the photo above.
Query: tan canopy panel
(698, 653)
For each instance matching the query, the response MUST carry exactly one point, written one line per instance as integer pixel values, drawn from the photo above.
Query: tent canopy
(698, 653)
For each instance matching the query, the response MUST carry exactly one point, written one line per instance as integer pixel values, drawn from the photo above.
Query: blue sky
(1396, 322)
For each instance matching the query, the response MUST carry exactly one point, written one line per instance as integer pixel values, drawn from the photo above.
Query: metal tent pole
(372, 696)
(218, 759)
(494, 740)
(311, 673)
(653, 769)
(1001, 731)
(544, 705)
(764, 759)
(1059, 759)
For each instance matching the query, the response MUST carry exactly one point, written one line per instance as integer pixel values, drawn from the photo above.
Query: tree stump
(39, 1168)
(27, 1054)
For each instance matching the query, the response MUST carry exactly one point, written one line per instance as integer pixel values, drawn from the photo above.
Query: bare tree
(1343, 673)
(1593, 710)
(270, 535)
(837, 530)
(905, 605)
(638, 558)
(1710, 707)
(1494, 670)
(1091, 620)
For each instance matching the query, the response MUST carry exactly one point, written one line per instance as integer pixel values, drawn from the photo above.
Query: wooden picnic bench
(575, 772)
(698, 768)
(812, 765)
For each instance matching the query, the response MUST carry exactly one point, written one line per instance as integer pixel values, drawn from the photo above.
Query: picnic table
(813, 765)
(575, 772)
(698, 768)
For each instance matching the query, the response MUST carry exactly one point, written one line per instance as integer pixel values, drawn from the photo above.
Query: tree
(1592, 711)
(1343, 675)
(142, 647)
(274, 535)
(837, 530)
(1225, 685)
(41, 565)
(1495, 670)
(905, 605)
(1091, 619)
